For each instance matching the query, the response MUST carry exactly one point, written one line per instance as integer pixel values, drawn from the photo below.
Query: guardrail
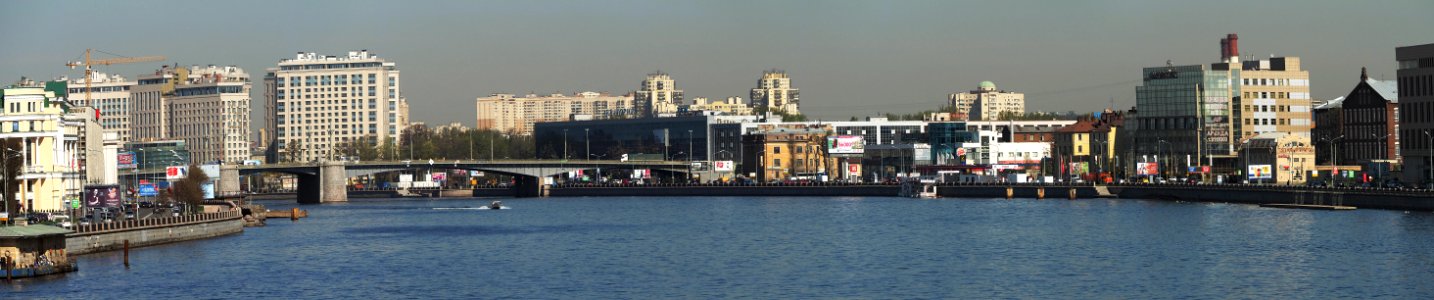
(156, 222)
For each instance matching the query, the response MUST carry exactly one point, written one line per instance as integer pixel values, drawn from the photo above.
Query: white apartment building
(317, 103)
(775, 93)
(210, 112)
(986, 102)
(659, 96)
(516, 115)
(110, 95)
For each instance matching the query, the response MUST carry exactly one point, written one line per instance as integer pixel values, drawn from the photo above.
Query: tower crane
(89, 63)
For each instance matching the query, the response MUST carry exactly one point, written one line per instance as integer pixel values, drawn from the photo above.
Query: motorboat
(495, 205)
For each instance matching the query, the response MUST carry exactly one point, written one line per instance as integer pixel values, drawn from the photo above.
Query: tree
(189, 190)
(291, 151)
(12, 171)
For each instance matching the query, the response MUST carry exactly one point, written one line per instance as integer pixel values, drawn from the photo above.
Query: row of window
(1416, 112)
(1416, 86)
(101, 89)
(331, 66)
(326, 80)
(1267, 108)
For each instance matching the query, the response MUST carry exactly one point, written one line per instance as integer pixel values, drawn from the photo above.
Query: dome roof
(988, 85)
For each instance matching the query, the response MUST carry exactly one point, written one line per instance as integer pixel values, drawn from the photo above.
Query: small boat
(495, 205)
(929, 192)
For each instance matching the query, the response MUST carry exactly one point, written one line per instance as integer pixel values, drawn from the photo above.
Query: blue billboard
(147, 190)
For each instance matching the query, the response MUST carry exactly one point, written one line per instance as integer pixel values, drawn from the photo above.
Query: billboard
(437, 176)
(175, 172)
(846, 144)
(102, 196)
(722, 165)
(126, 160)
(1258, 172)
(147, 190)
(1147, 168)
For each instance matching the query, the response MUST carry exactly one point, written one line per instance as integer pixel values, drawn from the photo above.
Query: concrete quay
(141, 233)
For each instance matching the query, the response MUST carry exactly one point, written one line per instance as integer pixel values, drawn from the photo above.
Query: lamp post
(565, 144)
(1163, 168)
(1430, 159)
(588, 144)
(1334, 157)
(5, 184)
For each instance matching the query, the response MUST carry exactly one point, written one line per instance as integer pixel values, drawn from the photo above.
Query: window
(776, 150)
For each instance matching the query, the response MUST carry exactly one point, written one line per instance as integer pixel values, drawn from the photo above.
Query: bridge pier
(529, 187)
(329, 185)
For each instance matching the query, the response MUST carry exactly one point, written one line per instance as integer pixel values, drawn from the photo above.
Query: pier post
(1010, 192)
(1040, 193)
(1073, 193)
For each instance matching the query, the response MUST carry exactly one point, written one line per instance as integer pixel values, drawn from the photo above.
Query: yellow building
(731, 106)
(1278, 158)
(35, 130)
(790, 152)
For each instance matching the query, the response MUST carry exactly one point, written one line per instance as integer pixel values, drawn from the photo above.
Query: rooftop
(30, 231)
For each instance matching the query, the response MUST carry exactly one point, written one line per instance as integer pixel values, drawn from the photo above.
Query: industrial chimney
(1232, 45)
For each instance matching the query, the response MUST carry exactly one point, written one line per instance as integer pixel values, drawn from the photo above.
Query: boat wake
(468, 208)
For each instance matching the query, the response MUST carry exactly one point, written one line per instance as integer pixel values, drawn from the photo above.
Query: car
(146, 204)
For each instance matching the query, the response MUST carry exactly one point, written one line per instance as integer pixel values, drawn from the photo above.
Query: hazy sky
(848, 58)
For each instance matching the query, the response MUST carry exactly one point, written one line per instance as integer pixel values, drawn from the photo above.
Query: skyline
(862, 59)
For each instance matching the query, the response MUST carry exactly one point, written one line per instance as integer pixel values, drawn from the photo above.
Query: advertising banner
(147, 190)
(102, 196)
(723, 165)
(175, 172)
(438, 176)
(846, 144)
(1079, 168)
(126, 160)
(1147, 168)
(208, 188)
(1259, 172)
(475, 173)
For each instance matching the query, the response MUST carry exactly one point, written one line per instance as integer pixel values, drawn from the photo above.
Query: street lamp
(5, 184)
(1430, 159)
(565, 144)
(1161, 165)
(588, 144)
(1334, 157)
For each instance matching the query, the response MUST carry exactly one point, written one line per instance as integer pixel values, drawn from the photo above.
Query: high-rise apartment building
(658, 97)
(318, 103)
(511, 114)
(774, 93)
(986, 103)
(206, 106)
(1416, 111)
(210, 112)
(1273, 96)
(110, 95)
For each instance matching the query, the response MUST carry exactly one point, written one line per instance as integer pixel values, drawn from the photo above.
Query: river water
(780, 248)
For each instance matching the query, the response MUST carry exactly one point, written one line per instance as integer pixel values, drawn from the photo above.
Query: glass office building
(1184, 114)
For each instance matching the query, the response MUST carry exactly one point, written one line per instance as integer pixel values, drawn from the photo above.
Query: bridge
(326, 181)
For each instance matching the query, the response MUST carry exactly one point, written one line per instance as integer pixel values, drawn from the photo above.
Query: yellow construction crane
(89, 63)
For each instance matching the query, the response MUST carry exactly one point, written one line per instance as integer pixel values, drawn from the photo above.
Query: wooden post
(1073, 193)
(1009, 192)
(294, 214)
(126, 253)
(1040, 193)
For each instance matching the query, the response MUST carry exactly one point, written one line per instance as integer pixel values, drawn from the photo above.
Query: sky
(849, 58)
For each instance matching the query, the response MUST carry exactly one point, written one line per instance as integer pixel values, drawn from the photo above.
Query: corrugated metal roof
(1389, 90)
(30, 231)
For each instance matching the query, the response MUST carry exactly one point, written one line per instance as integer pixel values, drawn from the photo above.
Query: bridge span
(326, 181)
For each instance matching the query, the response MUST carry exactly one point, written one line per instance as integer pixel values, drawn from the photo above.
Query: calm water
(779, 248)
